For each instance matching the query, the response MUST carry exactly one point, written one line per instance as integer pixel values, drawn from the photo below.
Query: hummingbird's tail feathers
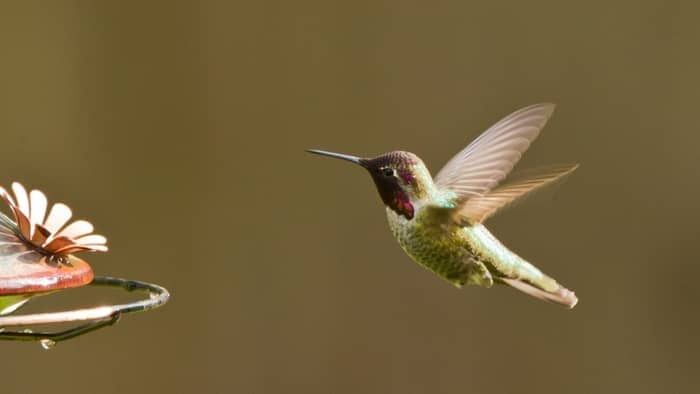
(478, 209)
(562, 295)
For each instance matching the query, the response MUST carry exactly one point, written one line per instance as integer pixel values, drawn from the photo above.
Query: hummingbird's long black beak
(341, 156)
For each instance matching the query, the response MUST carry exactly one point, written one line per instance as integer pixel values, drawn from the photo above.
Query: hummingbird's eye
(388, 171)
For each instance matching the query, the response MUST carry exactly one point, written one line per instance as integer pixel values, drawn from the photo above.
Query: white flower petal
(7, 197)
(76, 229)
(20, 218)
(37, 208)
(60, 214)
(92, 239)
(22, 198)
(98, 248)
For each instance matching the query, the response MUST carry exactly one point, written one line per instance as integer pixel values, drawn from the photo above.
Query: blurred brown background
(179, 130)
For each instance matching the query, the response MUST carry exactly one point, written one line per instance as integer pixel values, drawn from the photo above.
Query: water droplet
(47, 344)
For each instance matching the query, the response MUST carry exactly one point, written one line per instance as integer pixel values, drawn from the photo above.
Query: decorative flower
(47, 234)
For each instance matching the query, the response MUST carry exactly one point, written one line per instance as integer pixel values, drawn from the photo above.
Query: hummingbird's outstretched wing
(488, 159)
(479, 208)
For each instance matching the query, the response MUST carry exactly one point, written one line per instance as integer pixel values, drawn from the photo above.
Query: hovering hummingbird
(439, 222)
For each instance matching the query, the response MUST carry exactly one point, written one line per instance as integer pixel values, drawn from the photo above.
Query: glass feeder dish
(36, 258)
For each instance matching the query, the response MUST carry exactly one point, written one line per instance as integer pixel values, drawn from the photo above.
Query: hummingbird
(439, 222)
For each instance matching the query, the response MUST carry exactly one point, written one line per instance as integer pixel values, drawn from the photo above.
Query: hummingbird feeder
(36, 258)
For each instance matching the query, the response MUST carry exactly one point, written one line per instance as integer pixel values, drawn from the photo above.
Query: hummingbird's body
(438, 223)
(461, 254)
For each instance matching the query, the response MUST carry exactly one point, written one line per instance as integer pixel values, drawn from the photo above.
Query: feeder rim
(96, 317)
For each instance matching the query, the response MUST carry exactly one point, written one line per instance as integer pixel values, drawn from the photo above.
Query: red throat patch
(401, 204)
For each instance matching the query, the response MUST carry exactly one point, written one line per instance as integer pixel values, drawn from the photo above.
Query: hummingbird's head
(401, 178)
